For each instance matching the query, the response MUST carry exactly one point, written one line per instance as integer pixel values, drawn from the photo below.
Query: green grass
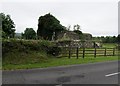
(109, 45)
(52, 62)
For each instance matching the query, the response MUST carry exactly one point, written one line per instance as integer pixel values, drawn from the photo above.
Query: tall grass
(22, 57)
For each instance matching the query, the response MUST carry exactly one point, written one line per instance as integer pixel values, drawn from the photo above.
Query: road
(92, 73)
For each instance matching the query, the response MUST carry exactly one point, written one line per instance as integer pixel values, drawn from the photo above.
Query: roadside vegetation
(53, 62)
(27, 54)
(26, 51)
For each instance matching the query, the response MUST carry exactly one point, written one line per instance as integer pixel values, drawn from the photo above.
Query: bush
(54, 51)
(29, 45)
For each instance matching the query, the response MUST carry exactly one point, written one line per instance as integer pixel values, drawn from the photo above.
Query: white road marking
(112, 74)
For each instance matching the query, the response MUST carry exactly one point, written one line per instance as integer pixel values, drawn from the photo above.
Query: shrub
(28, 45)
(54, 51)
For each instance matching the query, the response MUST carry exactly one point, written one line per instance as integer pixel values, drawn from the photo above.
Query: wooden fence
(85, 52)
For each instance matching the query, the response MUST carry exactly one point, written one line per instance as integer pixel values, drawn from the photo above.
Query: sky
(98, 17)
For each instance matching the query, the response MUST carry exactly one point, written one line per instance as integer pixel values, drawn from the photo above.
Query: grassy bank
(18, 52)
(52, 62)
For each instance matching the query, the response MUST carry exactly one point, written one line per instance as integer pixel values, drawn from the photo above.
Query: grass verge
(52, 62)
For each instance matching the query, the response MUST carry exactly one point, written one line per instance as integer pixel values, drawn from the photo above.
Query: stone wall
(80, 44)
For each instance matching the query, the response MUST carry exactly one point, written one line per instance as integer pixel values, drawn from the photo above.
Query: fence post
(83, 52)
(105, 52)
(95, 53)
(69, 52)
(113, 51)
(77, 52)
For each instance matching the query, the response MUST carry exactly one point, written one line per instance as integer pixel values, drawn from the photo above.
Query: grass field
(109, 45)
(52, 62)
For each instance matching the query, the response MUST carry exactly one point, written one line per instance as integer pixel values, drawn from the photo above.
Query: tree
(29, 33)
(47, 25)
(108, 39)
(7, 26)
(118, 38)
(76, 29)
(68, 28)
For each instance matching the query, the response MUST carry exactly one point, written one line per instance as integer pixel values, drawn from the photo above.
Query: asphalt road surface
(92, 73)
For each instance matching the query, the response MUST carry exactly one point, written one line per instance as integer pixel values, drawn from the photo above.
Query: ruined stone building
(70, 38)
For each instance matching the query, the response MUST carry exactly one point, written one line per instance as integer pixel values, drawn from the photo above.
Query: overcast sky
(98, 17)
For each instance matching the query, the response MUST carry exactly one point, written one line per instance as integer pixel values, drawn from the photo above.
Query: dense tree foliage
(29, 33)
(108, 39)
(118, 38)
(7, 25)
(48, 26)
